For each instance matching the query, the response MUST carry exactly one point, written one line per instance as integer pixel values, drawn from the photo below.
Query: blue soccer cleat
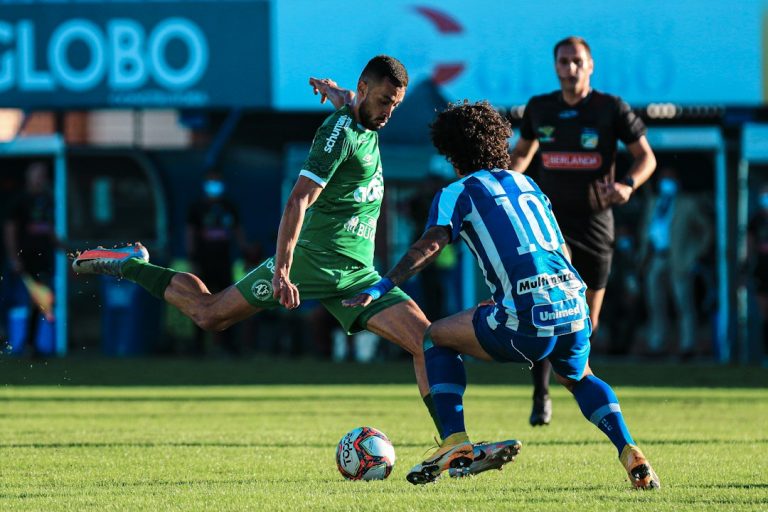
(489, 456)
(108, 261)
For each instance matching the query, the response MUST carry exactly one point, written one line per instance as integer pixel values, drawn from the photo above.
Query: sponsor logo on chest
(569, 160)
(373, 191)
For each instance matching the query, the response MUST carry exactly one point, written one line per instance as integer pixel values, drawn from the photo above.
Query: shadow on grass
(216, 444)
(82, 371)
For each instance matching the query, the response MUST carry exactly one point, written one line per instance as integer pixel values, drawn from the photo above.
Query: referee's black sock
(540, 374)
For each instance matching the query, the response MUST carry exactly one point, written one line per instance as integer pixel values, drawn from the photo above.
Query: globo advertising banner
(134, 54)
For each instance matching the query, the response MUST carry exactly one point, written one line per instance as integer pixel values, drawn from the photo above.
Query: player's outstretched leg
(108, 261)
(444, 342)
(541, 412)
(599, 404)
(448, 380)
(211, 312)
(130, 262)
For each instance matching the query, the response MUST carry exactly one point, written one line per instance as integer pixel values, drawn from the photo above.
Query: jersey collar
(584, 101)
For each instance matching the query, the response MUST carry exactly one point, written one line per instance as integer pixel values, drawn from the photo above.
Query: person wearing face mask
(213, 224)
(676, 234)
(757, 239)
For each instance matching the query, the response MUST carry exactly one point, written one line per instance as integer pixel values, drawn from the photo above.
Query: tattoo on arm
(420, 254)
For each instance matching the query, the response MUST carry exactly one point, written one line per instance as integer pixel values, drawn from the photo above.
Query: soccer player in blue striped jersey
(538, 309)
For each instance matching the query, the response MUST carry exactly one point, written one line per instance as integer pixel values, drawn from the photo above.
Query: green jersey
(345, 161)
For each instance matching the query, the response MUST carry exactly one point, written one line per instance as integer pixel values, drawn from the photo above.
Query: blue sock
(599, 404)
(447, 381)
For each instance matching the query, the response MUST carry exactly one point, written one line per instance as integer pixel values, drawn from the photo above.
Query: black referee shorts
(594, 268)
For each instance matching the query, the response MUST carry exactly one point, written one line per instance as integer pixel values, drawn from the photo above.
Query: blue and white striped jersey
(508, 224)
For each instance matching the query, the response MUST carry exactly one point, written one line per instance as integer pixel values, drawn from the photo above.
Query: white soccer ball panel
(347, 456)
(376, 472)
(379, 447)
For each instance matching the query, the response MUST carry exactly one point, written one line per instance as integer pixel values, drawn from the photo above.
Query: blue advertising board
(124, 54)
(686, 51)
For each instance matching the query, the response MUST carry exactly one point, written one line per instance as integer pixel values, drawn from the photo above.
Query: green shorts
(327, 278)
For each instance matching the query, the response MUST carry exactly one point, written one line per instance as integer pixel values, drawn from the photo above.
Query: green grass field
(94, 434)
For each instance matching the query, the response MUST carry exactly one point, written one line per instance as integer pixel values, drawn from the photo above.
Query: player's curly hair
(472, 136)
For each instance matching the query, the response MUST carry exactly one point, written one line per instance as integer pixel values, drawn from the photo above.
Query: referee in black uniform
(576, 130)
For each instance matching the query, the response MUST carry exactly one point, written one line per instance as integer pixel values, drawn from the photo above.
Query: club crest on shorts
(262, 289)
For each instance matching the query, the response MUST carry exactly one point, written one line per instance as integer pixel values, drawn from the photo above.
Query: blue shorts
(568, 353)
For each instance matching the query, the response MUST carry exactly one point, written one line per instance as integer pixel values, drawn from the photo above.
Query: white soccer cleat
(108, 261)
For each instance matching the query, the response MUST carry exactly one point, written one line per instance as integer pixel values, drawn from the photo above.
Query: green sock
(152, 278)
(432, 411)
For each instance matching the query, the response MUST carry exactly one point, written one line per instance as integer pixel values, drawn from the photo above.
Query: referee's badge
(589, 138)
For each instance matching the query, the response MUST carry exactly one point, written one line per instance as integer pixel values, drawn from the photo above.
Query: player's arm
(305, 192)
(419, 255)
(330, 90)
(522, 154)
(566, 252)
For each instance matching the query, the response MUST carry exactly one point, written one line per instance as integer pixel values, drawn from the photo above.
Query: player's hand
(486, 302)
(370, 294)
(359, 300)
(330, 90)
(614, 193)
(285, 291)
(621, 193)
(322, 86)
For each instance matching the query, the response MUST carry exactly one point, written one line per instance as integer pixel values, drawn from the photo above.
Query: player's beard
(367, 119)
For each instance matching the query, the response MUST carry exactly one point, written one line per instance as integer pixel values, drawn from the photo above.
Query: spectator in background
(213, 224)
(622, 312)
(757, 239)
(676, 234)
(30, 241)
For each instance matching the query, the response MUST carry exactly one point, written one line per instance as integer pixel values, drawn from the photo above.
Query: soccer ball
(365, 454)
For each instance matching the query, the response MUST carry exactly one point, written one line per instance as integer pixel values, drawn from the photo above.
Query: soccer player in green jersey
(325, 241)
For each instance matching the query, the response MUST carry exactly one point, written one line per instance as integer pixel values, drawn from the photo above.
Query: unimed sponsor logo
(565, 160)
(341, 123)
(558, 313)
(548, 316)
